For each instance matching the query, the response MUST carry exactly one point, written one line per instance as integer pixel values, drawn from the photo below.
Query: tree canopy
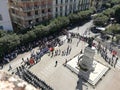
(9, 41)
(100, 20)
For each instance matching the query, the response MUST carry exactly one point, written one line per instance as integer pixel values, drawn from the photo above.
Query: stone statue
(86, 62)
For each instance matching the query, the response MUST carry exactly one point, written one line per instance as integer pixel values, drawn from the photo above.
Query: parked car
(97, 29)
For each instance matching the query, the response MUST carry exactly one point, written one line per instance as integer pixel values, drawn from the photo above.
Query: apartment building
(5, 21)
(25, 13)
(65, 7)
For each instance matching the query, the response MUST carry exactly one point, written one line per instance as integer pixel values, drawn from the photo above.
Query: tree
(117, 14)
(100, 20)
(8, 43)
(113, 29)
(109, 12)
(73, 18)
(2, 33)
(24, 39)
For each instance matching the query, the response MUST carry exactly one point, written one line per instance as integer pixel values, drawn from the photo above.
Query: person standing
(115, 61)
(65, 62)
(23, 61)
(10, 67)
(56, 62)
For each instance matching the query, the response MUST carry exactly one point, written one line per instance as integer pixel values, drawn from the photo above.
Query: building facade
(5, 21)
(25, 13)
(65, 7)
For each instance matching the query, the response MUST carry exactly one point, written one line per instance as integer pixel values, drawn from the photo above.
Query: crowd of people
(108, 54)
(31, 78)
(47, 45)
(46, 41)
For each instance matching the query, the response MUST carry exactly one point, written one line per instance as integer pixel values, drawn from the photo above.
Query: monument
(86, 62)
(86, 66)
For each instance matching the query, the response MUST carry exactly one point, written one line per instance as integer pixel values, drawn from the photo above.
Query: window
(1, 27)
(56, 15)
(13, 11)
(37, 19)
(56, 9)
(36, 12)
(74, 6)
(61, 9)
(61, 1)
(1, 17)
(65, 8)
(43, 18)
(65, 13)
(49, 10)
(66, 1)
(60, 13)
(28, 13)
(70, 7)
(43, 11)
(30, 22)
(56, 1)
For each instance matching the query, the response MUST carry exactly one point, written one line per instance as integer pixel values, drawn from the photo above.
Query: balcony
(42, 7)
(25, 0)
(27, 9)
(36, 7)
(17, 16)
(29, 17)
(49, 6)
(22, 17)
(37, 16)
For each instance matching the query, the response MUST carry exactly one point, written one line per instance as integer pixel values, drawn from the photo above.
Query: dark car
(94, 30)
(97, 29)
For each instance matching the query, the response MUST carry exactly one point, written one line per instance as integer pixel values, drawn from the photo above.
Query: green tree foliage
(114, 2)
(2, 33)
(41, 31)
(8, 43)
(109, 12)
(73, 18)
(100, 20)
(117, 14)
(113, 29)
(81, 16)
(57, 24)
(111, 3)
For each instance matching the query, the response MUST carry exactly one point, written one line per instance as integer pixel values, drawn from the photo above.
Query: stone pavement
(17, 61)
(60, 78)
